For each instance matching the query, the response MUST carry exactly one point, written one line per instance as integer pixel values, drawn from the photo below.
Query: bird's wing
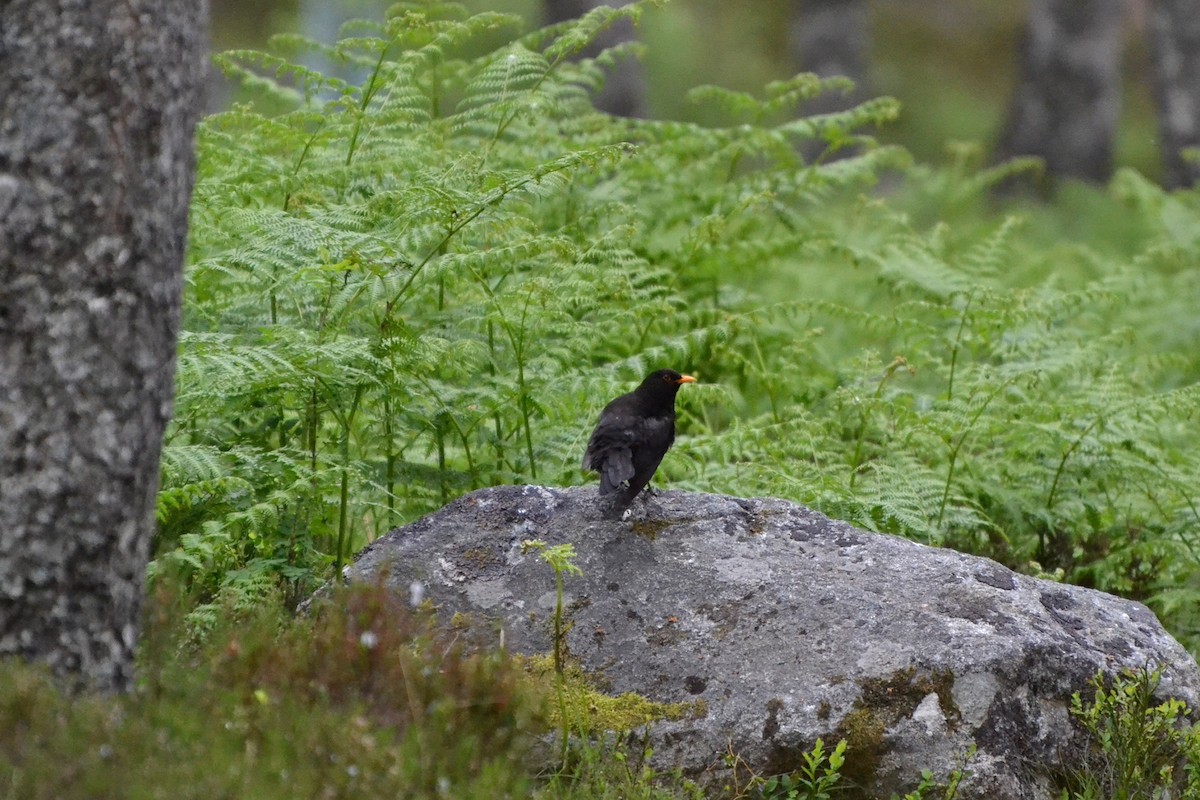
(617, 469)
(610, 450)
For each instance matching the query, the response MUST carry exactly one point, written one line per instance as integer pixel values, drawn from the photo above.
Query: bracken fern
(428, 279)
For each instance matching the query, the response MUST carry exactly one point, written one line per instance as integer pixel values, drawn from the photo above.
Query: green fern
(426, 281)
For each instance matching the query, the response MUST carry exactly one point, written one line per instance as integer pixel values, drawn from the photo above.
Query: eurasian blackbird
(633, 434)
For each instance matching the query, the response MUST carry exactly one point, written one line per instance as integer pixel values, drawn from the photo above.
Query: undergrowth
(360, 697)
(363, 697)
(427, 281)
(358, 700)
(1139, 747)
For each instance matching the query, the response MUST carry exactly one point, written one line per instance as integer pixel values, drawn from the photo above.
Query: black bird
(633, 434)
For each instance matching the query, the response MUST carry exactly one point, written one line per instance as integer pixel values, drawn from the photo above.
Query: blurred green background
(951, 65)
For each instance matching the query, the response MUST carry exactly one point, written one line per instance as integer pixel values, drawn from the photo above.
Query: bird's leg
(612, 507)
(650, 504)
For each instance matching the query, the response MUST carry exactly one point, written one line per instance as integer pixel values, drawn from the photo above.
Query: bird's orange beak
(685, 379)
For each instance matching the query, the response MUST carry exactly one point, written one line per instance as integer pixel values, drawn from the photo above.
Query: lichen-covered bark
(1068, 95)
(97, 111)
(1175, 47)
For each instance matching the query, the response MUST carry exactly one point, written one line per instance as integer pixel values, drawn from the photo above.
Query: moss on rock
(589, 710)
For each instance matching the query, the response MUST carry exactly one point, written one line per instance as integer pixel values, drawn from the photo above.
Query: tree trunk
(99, 102)
(830, 38)
(624, 92)
(1068, 94)
(1175, 48)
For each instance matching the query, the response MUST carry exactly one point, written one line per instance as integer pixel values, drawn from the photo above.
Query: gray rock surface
(791, 626)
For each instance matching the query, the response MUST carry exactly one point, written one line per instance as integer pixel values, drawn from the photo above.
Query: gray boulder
(790, 626)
